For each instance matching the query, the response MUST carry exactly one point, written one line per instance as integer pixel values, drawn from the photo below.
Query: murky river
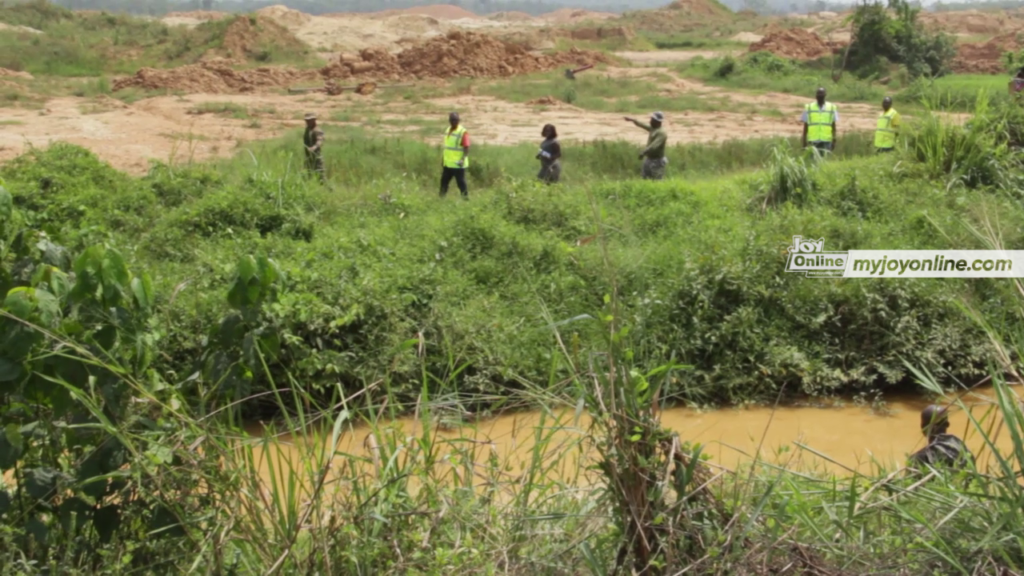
(839, 438)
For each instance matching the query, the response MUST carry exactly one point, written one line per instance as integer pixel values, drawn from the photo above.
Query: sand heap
(441, 12)
(249, 36)
(795, 43)
(284, 15)
(987, 57)
(466, 54)
(214, 77)
(973, 21)
(511, 16)
(572, 16)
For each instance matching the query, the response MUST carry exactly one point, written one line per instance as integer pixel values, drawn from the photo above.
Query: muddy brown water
(840, 438)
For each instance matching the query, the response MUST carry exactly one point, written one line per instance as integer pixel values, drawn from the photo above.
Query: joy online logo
(808, 257)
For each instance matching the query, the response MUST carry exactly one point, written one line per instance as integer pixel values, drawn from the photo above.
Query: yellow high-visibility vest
(885, 134)
(819, 122)
(453, 148)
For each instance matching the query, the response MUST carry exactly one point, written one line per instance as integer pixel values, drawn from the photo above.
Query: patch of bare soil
(458, 54)
(214, 77)
(247, 37)
(795, 43)
(987, 57)
(5, 73)
(667, 56)
(969, 22)
(26, 29)
(442, 11)
(573, 16)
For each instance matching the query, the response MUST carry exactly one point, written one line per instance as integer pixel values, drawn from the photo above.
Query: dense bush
(482, 282)
(880, 38)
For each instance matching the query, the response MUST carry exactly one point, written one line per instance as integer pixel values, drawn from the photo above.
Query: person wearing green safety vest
(820, 119)
(888, 127)
(455, 159)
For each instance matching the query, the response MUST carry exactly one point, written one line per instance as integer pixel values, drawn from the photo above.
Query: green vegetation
(881, 40)
(142, 314)
(229, 109)
(92, 44)
(604, 93)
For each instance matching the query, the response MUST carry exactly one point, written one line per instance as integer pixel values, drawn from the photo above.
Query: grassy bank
(80, 44)
(376, 261)
(144, 314)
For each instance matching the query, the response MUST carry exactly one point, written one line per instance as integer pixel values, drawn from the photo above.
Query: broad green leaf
(10, 370)
(41, 483)
(142, 288)
(115, 271)
(6, 206)
(246, 269)
(74, 513)
(11, 446)
(21, 302)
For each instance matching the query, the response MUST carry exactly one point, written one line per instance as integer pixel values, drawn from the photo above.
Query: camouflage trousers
(654, 168)
(315, 165)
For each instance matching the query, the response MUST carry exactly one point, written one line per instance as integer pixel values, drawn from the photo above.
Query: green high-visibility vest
(453, 151)
(819, 122)
(885, 134)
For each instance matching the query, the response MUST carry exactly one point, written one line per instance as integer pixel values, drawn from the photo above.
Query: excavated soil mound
(4, 72)
(284, 15)
(466, 54)
(248, 36)
(987, 57)
(571, 15)
(442, 11)
(795, 43)
(696, 7)
(213, 78)
(197, 15)
(512, 16)
(972, 21)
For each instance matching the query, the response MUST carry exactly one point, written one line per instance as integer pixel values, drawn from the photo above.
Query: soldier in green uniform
(314, 141)
(654, 154)
(943, 449)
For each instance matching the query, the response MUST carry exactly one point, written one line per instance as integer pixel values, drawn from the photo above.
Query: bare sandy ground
(671, 56)
(168, 129)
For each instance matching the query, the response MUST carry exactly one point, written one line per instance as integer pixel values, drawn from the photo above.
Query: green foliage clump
(879, 38)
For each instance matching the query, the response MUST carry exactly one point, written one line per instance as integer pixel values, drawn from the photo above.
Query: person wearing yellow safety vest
(888, 127)
(820, 119)
(455, 159)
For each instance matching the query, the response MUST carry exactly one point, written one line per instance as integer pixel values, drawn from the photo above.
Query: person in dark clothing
(313, 140)
(943, 449)
(455, 157)
(550, 155)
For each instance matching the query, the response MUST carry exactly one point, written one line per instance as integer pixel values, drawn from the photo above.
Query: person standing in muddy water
(653, 155)
(550, 155)
(943, 449)
(313, 139)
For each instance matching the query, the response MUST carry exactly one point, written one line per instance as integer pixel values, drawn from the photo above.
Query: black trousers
(460, 179)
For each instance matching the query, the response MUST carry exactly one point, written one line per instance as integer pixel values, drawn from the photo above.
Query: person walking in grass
(550, 155)
(888, 127)
(820, 118)
(654, 154)
(313, 140)
(943, 449)
(455, 158)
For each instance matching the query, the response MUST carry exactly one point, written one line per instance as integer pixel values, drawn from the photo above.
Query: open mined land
(212, 362)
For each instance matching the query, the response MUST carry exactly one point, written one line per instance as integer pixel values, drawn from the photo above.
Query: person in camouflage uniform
(653, 155)
(943, 449)
(313, 139)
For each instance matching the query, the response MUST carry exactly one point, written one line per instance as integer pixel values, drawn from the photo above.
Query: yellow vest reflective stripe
(819, 122)
(453, 150)
(885, 134)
